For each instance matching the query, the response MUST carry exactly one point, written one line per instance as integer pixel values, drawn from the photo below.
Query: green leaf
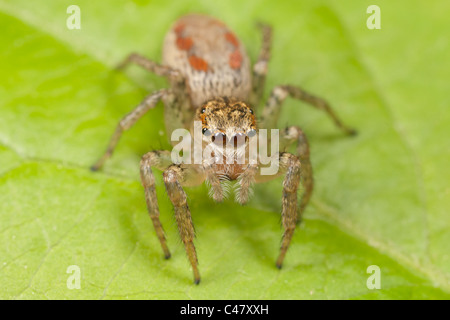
(380, 198)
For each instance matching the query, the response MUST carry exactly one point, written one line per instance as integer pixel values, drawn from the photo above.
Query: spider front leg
(272, 108)
(160, 160)
(174, 177)
(291, 165)
(291, 135)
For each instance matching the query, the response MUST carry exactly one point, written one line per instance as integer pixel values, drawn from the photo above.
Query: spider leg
(160, 160)
(213, 181)
(178, 111)
(291, 166)
(295, 134)
(245, 181)
(147, 64)
(174, 177)
(272, 108)
(127, 122)
(260, 67)
(289, 216)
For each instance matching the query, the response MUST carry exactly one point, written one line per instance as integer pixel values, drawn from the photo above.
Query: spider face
(227, 121)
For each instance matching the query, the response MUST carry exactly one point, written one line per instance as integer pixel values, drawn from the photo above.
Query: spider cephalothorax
(226, 120)
(203, 59)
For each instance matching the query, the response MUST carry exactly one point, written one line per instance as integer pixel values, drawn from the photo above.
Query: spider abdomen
(210, 56)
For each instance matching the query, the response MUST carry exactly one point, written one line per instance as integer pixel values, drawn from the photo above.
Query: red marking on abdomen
(184, 43)
(198, 63)
(179, 28)
(235, 59)
(231, 38)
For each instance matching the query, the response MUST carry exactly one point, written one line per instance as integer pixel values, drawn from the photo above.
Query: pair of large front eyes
(204, 110)
(207, 133)
(221, 139)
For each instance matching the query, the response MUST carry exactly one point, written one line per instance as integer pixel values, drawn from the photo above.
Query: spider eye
(203, 110)
(251, 111)
(219, 139)
(251, 133)
(206, 132)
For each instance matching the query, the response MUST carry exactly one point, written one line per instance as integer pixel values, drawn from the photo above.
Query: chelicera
(213, 82)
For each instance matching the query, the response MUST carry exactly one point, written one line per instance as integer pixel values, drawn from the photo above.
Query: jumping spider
(212, 82)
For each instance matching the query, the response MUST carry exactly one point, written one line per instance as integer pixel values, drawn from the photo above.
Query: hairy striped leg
(272, 108)
(216, 190)
(298, 170)
(245, 182)
(291, 135)
(260, 67)
(291, 165)
(178, 108)
(127, 122)
(147, 64)
(160, 160)
(174, 177)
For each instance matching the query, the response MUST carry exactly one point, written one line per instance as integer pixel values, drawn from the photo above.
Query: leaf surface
(380, 198)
